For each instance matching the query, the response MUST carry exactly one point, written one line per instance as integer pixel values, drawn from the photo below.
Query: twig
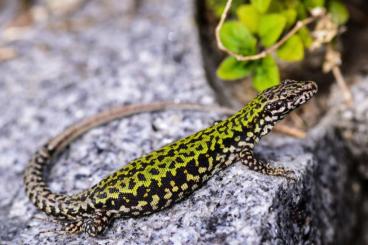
(332, 64)
(294, 132)
(265, 52)
(348, 98)
(297, 120)
(7, 54)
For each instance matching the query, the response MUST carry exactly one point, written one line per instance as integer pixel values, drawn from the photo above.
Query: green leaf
(231, 69)
(249, 16)
(237, 38)
(292, 49)
(311, 4)
(279, 6)
(261, 5)
(270, 28)
(301, 11)
(291, 3)
(218, 6)
(290, 15)
(339, 12)
(276, 6)
(266, 75)
(306, 37)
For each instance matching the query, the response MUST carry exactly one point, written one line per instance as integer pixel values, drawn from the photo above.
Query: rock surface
(353, 124)
(110, 53)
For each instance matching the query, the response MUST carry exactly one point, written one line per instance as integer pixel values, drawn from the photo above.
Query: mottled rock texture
(122, 52)
(353, 124)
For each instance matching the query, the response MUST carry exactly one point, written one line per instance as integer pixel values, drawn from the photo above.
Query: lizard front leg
(247, 158)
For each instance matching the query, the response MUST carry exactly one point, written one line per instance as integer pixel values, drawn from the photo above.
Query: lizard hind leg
(246, 157)
(73, 227)
(96, 224)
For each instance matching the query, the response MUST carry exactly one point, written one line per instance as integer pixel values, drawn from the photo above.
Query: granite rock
(353, 124)
(108, 53)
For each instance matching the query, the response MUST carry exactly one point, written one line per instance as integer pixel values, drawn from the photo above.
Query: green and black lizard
(167, 175)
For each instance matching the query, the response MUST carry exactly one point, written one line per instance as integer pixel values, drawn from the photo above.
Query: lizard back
(156, 180)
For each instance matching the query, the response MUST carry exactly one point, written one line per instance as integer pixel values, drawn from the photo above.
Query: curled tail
(36, 187)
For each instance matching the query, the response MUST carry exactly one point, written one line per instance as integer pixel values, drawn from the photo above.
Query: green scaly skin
(167, 175)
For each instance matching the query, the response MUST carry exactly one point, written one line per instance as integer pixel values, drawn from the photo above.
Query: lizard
(165, 176)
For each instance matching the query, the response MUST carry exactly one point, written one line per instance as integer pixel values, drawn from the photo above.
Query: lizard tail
(36, 187)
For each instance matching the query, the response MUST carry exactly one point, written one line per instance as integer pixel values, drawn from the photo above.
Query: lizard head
(287, 96)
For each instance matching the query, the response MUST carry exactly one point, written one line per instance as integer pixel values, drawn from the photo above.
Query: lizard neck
(248, 125)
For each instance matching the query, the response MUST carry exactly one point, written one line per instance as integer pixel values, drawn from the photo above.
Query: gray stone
(140, 51)
(353, 124)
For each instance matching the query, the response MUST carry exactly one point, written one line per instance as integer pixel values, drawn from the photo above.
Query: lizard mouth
(307, 91)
